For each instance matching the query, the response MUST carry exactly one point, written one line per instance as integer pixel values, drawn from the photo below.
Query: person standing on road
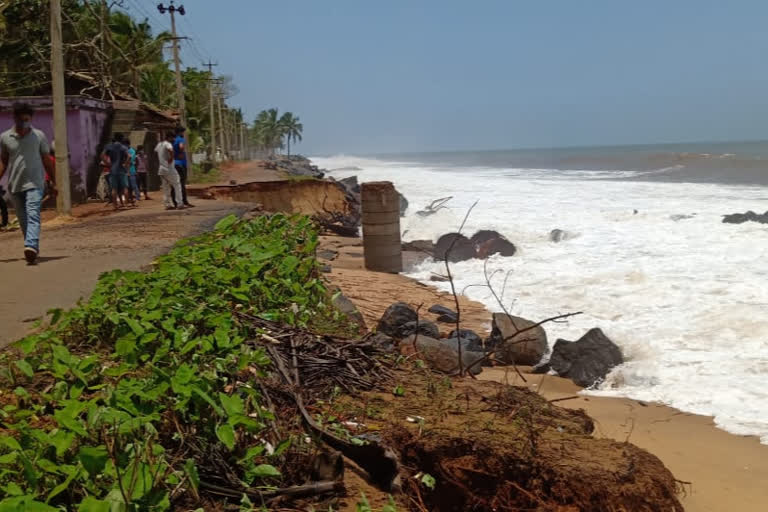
(141, 170)
(167, 172)
(133, 184)
(24, 155)
(118, 180)
(180, 161)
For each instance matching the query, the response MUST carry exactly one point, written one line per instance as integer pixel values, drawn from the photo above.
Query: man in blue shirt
(180, 162)
(118, 176)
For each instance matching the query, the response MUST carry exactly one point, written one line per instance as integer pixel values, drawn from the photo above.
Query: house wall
(87, 121)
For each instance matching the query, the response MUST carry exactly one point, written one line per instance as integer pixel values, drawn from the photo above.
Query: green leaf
(93, 458)
(265, 471)
(13, 489)
(9, 442)
(73, 473)
(8, 458)
(25, 367)
(399, 391)
(428, 481)
(61, 441)
(135, 326)
(24, 504)
(91, 504)
(205, 396)
(140, 476)
(125, 346)
(233, 405)
(226, 435)
(225, 222)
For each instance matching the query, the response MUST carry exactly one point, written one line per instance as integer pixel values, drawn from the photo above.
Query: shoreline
(718, 470)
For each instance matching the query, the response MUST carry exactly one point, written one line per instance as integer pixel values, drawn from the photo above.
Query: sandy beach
(723, 472)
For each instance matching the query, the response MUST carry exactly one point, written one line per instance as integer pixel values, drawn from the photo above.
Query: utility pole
(212, 112)
(222, 129)
(179, 89)
(242, 142)
(63, 199)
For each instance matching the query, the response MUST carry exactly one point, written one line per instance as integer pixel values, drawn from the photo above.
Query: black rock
(750, 216)
(441, 356)
(471, 336)
(586, 361)
(424, 327)
(471, 344)
(447, 318)
(382, 341)
(463, 249)
(346, 306)
(419, 245)
(403, 204)
(351, 184)
(499, 245)
(395, 317)
(483, 236)
(516, 340)
(558, 235)
(437, 309)
(327, 254)
(541, 368)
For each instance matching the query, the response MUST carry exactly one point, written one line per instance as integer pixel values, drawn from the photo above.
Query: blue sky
(423, 75)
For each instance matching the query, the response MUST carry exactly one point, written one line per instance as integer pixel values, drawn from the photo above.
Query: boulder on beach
(469, 335)
(586, 361)
(470, 343)
(395, 317)
(351, 184)
(558, 235)
(488, 242)
(382, 341)
(403, 204)
(426, 246)
(750, 216)
(348, 308)
(463, 249)
(446, 315)
(513, 346)
(424, 327)
(500, 246)
(440, 356)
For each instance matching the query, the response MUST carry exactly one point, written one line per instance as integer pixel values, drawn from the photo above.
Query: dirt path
(74, 253)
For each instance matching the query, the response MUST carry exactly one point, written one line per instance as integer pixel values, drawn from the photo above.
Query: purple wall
(86, 120)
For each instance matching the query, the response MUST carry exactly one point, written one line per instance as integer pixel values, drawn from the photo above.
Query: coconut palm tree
(267, 130)
(291, 129)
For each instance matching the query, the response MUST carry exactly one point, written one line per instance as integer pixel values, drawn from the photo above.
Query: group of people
(27, 158)
(124, 171)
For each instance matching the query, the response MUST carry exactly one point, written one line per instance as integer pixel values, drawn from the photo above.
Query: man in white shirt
(167, 172)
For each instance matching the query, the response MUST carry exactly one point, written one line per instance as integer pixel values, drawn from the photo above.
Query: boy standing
(141, 170)
(167, 172)
(118, 157)
(180, 161)
(24, 155)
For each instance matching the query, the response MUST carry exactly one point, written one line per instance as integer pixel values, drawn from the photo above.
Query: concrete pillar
(381, 227)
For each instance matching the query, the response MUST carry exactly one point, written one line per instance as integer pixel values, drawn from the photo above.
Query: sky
(391, 76)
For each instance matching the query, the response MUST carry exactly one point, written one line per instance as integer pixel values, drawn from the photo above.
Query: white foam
(685, 300)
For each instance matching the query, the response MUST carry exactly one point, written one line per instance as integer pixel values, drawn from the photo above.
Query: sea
(646, 257)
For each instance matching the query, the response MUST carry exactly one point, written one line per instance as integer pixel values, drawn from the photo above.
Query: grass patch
(198, 176)
(102, 410)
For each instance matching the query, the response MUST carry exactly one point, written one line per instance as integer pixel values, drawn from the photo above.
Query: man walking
(180, 161)
(24, 155)
(118, 179)
(167, 172)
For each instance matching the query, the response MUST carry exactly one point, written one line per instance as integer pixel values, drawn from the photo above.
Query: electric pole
(179, 89)
(63, 199)
(222, 128)
(212, 112)
(242, 141)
